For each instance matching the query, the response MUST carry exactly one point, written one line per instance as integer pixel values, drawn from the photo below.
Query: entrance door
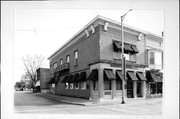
(139, 89)
(129, 89)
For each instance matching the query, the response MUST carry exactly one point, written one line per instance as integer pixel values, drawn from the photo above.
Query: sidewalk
(86, 102)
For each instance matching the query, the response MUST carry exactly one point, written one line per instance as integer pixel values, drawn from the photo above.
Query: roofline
(108, 20)
(75, 35)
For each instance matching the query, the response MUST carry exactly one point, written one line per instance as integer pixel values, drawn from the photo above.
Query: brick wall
(106, 47)
(88, 51)
(60, 89)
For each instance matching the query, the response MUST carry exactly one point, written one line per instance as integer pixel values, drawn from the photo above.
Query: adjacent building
(89, 64)
(43, 78)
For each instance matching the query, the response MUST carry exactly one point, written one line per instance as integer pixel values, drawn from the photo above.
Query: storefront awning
(140, 76)
(69, 80)
(65, 79)
(154, 77)
(51, 81)
(131, 76)
(82, 77)
(119, 75)
(93, 75)
(74, 79)
(135, 50)
(109, 74)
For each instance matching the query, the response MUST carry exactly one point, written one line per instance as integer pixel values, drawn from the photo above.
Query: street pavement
(29, 103)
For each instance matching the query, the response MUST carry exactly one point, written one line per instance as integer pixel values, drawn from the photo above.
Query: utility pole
(122, 56)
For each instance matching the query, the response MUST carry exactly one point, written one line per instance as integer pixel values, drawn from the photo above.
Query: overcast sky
(43, 31)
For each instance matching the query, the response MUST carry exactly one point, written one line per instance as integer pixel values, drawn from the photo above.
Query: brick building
(43, 77)
(89, 64)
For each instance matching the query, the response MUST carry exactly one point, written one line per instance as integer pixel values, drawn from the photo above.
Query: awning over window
(69, 80)
(127, 48)
(140, 76)
(135, 50)
(51, 81)
(119, 75)
(93, 75)
(109, 74)
(65, 79)
(131, 76)
(117, 46)
(74, 79)
(153, 78)
(82, 77)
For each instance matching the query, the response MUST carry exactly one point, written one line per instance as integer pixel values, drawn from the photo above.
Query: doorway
(129, 89)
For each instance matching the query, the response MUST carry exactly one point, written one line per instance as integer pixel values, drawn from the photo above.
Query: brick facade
(95, 51)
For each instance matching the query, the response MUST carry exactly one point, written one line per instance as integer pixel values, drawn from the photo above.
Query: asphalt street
(29, 103)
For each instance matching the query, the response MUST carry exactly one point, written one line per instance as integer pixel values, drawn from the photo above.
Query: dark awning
(127, 48)
(74, 79)
(109, 74)
(131, 76)
(69, 80)
(64, 79)
(51, 81)
(135, 50)
(140, 76)
(153, 78)
(82, 77)
(119, 75)
(117, 46)
(93, 75)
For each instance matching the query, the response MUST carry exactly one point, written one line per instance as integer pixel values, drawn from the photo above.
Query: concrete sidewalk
(86, 102)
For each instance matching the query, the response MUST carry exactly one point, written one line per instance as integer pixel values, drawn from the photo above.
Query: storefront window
(118, 84)
(77, 85)
(67, 85)
(71, 85)
(107, 84)
(156, 88)
(83, 85)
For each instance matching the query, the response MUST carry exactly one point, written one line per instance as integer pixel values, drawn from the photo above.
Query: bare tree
(31, 64)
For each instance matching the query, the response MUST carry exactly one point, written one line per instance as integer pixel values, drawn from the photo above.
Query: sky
(43, 31)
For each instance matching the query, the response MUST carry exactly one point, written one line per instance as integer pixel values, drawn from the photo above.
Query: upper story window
(151, 58)
(117, 55)
(61, 62)
(67, 58)
(55, 65)
(155, 58)
(76, 57)
(127, 56)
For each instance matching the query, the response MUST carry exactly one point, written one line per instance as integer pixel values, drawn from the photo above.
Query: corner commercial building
(89, 65)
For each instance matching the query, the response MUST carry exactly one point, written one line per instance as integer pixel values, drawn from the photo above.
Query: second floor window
(61, 62)
(126, 56)
(117, 55)
(55, 65)
(151, 58)
(67, 59)
(76, 57)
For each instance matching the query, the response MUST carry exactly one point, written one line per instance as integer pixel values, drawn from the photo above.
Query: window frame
(75, 57)
(67, 58)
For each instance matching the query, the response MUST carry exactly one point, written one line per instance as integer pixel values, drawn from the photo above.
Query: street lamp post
(122, 56)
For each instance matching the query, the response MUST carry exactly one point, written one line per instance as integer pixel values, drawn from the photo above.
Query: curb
(59, 100)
